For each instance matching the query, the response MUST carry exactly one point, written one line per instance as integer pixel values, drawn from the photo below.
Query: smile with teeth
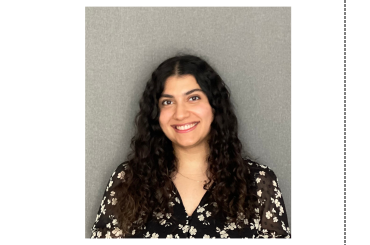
(186, 126)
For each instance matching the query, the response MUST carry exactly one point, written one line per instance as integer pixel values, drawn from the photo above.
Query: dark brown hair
(147, 185)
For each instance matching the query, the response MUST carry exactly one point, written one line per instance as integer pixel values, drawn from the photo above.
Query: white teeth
(186, 126)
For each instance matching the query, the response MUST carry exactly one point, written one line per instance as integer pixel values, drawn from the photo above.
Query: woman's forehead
(180, 84)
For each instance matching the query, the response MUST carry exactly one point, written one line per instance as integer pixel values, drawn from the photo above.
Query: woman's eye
(164, 102)
(195, 97)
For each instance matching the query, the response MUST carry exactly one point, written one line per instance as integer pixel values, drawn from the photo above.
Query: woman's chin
(187, 144)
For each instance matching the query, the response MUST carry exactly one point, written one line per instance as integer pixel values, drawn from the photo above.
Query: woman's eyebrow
(187, 93)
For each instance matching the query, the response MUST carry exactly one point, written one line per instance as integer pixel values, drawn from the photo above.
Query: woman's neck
(192, 161)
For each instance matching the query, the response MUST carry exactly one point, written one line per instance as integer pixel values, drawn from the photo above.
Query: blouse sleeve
(106, 225)
(274, 220)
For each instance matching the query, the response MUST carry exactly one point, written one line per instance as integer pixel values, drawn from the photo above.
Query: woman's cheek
(206, 113)
(164, 117)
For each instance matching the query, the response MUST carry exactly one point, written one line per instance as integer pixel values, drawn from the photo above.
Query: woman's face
(185, 113)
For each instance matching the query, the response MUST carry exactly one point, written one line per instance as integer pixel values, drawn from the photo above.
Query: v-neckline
(206, 194)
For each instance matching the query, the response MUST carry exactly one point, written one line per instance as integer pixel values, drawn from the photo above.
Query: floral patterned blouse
(271, 219)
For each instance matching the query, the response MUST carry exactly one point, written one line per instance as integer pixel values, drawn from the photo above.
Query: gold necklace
(199, 181)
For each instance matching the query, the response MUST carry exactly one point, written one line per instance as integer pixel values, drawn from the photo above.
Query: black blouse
(271, 219)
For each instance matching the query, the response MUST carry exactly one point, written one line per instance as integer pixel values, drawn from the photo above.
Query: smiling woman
(186, 116)
(185, 176)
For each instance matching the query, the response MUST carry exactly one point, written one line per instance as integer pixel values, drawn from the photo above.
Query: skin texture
(185, 109)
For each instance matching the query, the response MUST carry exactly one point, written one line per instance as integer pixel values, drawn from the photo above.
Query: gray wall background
(249, 47)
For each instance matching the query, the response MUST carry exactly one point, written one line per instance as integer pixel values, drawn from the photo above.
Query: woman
(186, 177)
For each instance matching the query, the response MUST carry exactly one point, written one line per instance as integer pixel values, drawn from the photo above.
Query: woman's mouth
(185, 128)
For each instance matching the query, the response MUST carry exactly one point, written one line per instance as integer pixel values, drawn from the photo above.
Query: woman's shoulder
(256, 170)
(264, 179)
(122, 167)
(120, 172)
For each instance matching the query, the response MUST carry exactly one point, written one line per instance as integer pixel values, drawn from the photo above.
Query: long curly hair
(147, 185)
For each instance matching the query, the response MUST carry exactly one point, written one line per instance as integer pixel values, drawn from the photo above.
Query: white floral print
(192, 231)
(97, 217)
(281, 211)
(200, 210)
(277, 203)
(223, 234)
(159, 215)
(103, 209)
(278, 194)
(232, 226)
(121, 175)
(184, 228)
(270, 222)
(102, 202)
(257, 224)
(268, 215)
(259, 193)
(117, 231)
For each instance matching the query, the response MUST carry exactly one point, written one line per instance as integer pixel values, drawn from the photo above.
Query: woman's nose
(181, 112)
